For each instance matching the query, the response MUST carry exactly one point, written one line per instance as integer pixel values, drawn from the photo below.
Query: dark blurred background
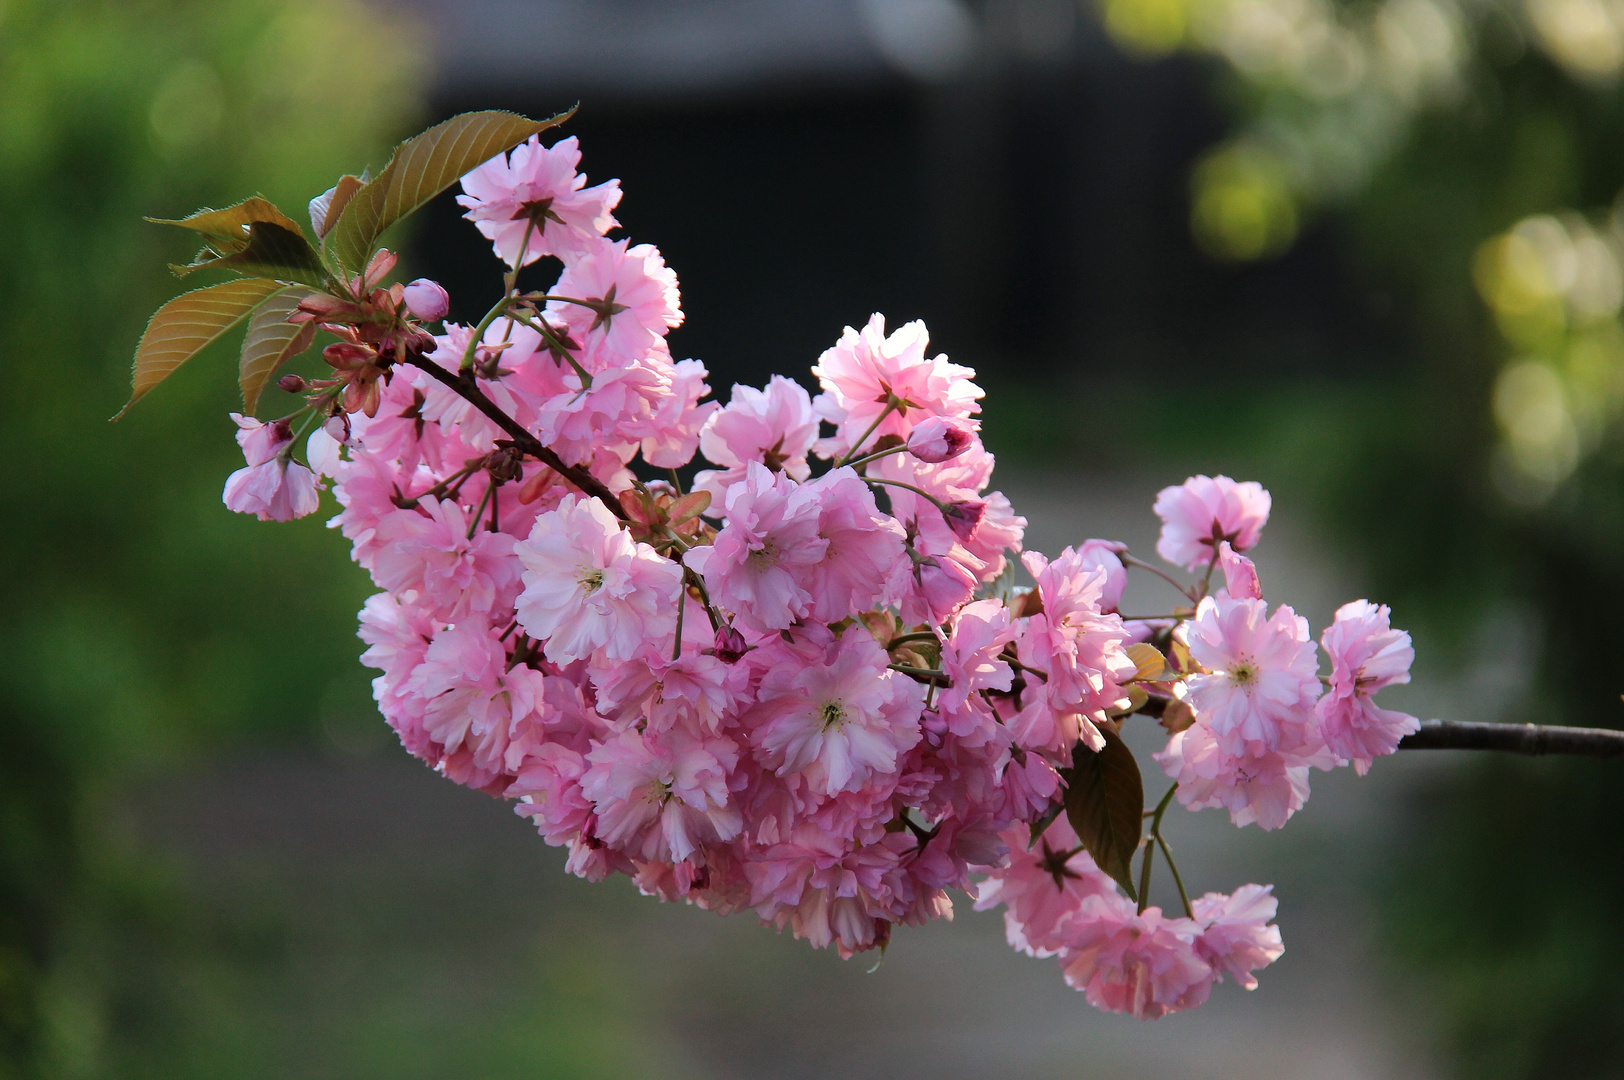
(1366, 253)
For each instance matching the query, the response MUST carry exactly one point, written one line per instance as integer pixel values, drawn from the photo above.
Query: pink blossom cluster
(806, 687)
(1057, 902)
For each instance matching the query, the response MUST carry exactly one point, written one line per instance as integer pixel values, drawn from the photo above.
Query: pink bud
(938, 439)
(963, 517)
(292, 384)
(338, 427)
(427, 301)
(730, 645)
(1239, 573)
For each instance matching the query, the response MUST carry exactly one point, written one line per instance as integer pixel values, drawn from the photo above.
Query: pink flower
(839, 722)
(938, 438)
(864, 560)
(623, 406)
(1043, 888)
(588, 585)
(536, 189)
(662, 797)
(1144, 964)
(1366, 654)
(1263, 674)
(631, 299)
(1236, 937)
(1240, 576)
(673, 431)
(1203, 511)
(761, 563)
(548, 787)
(1263, 788)
(775, 426)
(273, 487)
(1081, 652)
(427, 551)
(970, 657)
(426, 300)
(867, 374)
(1107, 555)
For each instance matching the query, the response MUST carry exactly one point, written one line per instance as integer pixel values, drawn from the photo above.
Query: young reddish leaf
(271, 341)
(183, 326)
(689, 507)
(271, 251)
(1105, 803)
(343, 191)
(1176, 716)
(421, 168)
(230, 226)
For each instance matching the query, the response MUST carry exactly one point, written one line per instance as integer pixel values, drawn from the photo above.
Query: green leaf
(421, 168)
(271, 251)
(271, 341)
(1105, 803)
(230, 227)
(183, 326)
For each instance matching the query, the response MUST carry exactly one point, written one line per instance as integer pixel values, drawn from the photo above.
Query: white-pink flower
(1144, 964)
(428, 551)
(662, 797)
(863, 563)
(1256, 788)
(622, 297)
(273, 487)
(1202, 512)
(839, 722)
(588, 585)
(1366, 654)
(1262, 674)
(1043, 887)
(970, 655)
(536, 189)
(869, 373)
(1236, 935)
(774, 425)
(761, 564)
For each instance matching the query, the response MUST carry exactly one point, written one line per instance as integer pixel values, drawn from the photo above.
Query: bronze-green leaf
(183, 326)
(270, 342)
(1105, 803)
(421, 168)
(230, 226)
(271, 251)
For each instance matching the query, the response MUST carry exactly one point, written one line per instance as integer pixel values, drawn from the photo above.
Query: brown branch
(468, 389)
(1516, 738)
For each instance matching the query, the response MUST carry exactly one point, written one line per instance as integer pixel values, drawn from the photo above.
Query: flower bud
(292, 384)
(426, 300)
(730, 645)
(338, 427)
(938, 439)
(963, 517)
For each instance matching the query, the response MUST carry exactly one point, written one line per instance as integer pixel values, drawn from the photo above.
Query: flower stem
(478, 334)
(917, 491)
(890, 407)
(1129, 560)
(875, 456)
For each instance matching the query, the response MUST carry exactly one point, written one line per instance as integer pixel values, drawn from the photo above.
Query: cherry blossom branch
(1531, 739)
(469, 391)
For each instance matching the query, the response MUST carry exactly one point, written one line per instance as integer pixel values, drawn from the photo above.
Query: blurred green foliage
(129, 636)
(1471, 156)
